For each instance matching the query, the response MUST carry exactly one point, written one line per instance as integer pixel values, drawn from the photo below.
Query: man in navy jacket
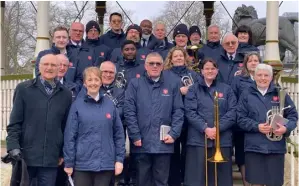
(115, 36)
(151, 101)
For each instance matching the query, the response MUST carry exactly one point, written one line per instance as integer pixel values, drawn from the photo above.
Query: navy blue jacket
(132, 69)
(210, 50)
(148, 105)
(92, 53)
(252, 110)
(73, 87)
(141, 54)
(118, 97)
(228, 68)
(71, 55)
(112, 39)
(199, 110)
(94, 137)
(241, 83)
(244, 48)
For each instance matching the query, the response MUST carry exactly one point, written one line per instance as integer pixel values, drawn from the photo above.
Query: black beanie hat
(92, 24)
(136, 27)
(180, 29)
(194, 29)
(127, 42)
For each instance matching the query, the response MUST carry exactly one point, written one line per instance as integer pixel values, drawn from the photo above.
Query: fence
(8, 85)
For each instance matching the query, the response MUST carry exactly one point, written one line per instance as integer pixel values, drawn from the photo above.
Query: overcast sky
(147, 9)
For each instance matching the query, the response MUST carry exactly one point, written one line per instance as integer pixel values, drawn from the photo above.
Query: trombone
(217, 157)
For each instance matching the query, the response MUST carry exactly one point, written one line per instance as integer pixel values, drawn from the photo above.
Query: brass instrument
(274, 111)
(109, 95)
(120, 80)
(196, 65)
(217, 157)
(187, 80)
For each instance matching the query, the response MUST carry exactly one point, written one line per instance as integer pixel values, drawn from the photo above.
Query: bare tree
(174, 10)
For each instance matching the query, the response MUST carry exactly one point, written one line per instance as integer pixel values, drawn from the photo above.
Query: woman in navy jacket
(240, 83)
(94, 143)
(244, 35)
(264, 159)
(199, 110)
(176, 66)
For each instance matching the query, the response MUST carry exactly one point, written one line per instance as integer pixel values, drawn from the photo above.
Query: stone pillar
(42, 39)
(208, 12)
(272, 49)
(2, 38)
(101, 10)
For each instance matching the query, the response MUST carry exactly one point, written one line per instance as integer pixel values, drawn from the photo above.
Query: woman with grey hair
(264, 157)
(240, 83)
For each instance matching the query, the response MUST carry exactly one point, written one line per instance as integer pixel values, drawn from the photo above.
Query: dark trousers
(195, 170)
(42, 176)
(88, 178)
(61, 178)
(152, 169)
(177, 162)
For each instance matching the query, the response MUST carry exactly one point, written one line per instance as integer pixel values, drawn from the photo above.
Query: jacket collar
(272, 88)
(213, 44)
(112, 34)
(160, 81)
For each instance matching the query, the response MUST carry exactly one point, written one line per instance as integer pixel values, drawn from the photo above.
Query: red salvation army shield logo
(102, 53)
(165, 91)
(108, 116)
(137, 75)
(70, 64)
(240, 64)
(143, 56)
(275, 98)
(89, 57)
(220, 95)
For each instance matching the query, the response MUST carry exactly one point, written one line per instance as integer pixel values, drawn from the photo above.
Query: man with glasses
(92, 52)
(229, 61)
(151, 101)
(115, 36)
(76, 34)
(134, 33)
(213, 47)
(37, 122)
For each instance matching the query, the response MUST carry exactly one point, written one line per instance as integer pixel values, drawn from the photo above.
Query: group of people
(73, 118)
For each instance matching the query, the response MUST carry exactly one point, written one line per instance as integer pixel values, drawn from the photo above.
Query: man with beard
(115, 36)
(134, 33)
(195, 35)
(148, 39)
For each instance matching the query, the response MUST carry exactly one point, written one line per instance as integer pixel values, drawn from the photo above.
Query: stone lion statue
(247, 15)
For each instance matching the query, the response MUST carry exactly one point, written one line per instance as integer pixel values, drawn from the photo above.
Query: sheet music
(277, 118)
(164, 130)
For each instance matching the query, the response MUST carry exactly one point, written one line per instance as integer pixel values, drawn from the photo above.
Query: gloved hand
(15, 154)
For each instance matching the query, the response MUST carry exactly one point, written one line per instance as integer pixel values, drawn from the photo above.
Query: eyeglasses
(230, 43)
(75, 30)
(157, 64)
(93, 31)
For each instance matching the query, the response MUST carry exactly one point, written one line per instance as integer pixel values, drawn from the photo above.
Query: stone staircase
(237, 177)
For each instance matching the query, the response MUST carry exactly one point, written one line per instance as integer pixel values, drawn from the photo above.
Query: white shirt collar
(97, 98)
(156, 80)
(263, 92)
(228, 55)
(76, 44)
(61, 80)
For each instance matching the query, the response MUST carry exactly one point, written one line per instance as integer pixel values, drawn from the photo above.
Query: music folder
(164, 130)
(277, 118)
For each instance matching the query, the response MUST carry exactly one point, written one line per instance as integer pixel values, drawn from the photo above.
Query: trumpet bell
(218, 158)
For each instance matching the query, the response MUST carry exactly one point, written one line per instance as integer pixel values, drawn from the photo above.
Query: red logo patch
(108, 116)
(70, 64)
(143, 56)
(165, 91)
(102, 53)
(220, 95)
(275, 98)
(89, 57)
(137, 75)
(240, 64)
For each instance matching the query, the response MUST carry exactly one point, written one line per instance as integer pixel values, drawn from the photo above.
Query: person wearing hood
(92, 52)
(213, 47)
(244, 35)
(199, 111)
(265, 153)
(60, 46)
(115, 36)
(195, 36)
(133, 33)
(178, 69)
(163, 45)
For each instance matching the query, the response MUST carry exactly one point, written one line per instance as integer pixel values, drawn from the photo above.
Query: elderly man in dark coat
(37, 121)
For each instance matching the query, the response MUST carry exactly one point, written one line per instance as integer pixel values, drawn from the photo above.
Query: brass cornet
(187, 80)
(120, 80)
(194, 48)
(276, 110)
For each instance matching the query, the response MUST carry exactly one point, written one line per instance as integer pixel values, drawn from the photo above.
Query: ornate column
(272, 49)
(2, 38)
(42, 39)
